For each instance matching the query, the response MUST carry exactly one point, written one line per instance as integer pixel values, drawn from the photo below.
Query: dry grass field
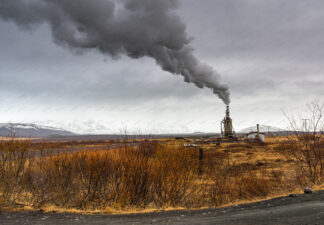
(151, 174)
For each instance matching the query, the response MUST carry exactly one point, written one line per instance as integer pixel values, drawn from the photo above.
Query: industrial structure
(256, 136)
(227, 126)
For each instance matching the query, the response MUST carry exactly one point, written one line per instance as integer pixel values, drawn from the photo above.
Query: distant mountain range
(37, 131)
(31, 130)
(263, 129)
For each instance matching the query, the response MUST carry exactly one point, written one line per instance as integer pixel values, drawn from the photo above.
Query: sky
(269, 53)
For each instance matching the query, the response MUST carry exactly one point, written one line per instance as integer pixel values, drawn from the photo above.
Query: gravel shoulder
(297, 210)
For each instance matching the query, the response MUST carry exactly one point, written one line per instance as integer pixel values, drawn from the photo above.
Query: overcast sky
(269, 53)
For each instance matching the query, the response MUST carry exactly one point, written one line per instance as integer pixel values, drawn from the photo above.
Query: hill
(263, 129)
(31, 130)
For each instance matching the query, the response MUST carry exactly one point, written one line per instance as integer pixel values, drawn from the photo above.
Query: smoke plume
(137, 28)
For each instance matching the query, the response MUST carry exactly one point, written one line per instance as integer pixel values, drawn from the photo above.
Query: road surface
(297, 210)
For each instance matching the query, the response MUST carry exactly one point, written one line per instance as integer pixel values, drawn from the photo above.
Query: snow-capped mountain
(31, 130)
(263, 129)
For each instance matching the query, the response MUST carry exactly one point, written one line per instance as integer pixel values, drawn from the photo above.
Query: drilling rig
(227, 126)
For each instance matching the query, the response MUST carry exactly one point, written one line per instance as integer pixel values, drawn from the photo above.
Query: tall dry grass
(230, 181)
(133, 176)
(14, 166)
(144, 175)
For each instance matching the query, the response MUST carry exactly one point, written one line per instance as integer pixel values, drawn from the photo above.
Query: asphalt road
(298, 210)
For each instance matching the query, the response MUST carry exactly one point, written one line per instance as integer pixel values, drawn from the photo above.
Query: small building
(256, 136)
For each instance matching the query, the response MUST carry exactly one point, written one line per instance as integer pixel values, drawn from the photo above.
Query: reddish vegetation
(148, 174)
(156, 173)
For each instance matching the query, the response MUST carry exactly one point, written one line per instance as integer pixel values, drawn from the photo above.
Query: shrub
(14, 168)
(306, 146)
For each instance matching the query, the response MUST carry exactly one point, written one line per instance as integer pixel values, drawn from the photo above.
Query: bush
(14, 168)
(133, 176)
(306, 147)
(142, 175)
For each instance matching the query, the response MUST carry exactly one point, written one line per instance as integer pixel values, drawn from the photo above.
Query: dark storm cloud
(137, 28)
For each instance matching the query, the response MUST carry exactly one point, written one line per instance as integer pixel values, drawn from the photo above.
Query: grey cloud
(137, 28)
(255, 29)
(276, 42)
(269, 52)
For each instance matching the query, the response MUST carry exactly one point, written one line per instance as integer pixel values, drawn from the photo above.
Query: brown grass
(148, 175)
